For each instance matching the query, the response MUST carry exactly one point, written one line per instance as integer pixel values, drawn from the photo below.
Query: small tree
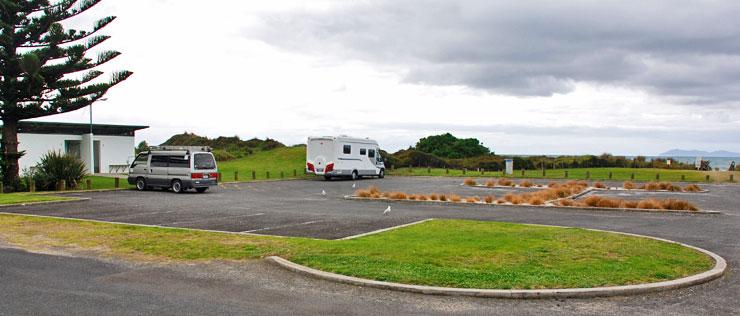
(44, 69)
(143, 146)
(54, 167)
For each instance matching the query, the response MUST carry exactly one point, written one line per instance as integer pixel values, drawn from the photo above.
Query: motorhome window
(179, 161)
(371, 153)
(204, 161)
(363, 151)
(347, 149)
(140, 160)
(159, 161)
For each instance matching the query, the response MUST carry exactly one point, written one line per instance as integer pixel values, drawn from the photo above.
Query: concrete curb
(720, 267)
(45, 202)
(641, 210)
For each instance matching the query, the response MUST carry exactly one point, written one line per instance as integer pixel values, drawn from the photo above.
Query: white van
(176, 167)
(344, 156)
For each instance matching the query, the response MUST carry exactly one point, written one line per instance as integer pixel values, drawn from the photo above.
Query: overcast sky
(625, 77)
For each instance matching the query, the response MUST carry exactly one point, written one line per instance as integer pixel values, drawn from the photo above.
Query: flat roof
(61, 128)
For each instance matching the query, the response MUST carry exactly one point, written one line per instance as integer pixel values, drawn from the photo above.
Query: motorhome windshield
(204, 161)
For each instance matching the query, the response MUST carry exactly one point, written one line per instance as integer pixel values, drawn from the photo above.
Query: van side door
(179, 167)
(158, 171)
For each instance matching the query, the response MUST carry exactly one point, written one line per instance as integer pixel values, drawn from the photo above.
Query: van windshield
(204, 161)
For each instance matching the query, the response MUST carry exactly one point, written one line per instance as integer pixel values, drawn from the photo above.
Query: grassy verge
(19, 198)
(619, 174)
(286, 160)
(452, 253)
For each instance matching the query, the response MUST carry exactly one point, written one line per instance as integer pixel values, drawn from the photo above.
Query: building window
(72, 148)
(371, 153)
(347, 149)
(363, 151)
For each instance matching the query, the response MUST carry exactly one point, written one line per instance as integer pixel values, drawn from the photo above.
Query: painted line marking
(282, 226)
(210, 219)
(386, 229)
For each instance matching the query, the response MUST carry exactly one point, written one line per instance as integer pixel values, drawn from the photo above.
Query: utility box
(509, 166)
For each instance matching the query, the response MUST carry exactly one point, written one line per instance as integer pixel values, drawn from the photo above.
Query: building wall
(114, 150)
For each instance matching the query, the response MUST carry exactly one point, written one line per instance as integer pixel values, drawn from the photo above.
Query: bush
(692, 188)
(222, 155)
(471, 199)
(455, 198)
(470, 182)
(629, 185)
(526, 184)
(434, 197)
(54, 167)
(504, 182)
(599, 185)
(490, 183)
(489, 199)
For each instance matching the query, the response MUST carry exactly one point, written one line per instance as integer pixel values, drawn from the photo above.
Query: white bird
(323, 192)
(387, 211)
(354, 185)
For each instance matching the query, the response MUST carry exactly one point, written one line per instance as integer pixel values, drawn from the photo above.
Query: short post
(732, 179)
(2, 189)
(610, 175)
(117, 182)
(267, 174)
(566, 174)
(429, 170)
(62, 185)
(447, 171)
(88, 184)
(683, 177)
(464, 169)
(295, 173)
(707, 178)
(483, 171)
(632, 176)
(31, 185)
(220, 177)
(411, 169)
(657, 176)
(522, 172)
(254, 175)
(543, 172)
(236, 175)
(282, 174)
(588, 175)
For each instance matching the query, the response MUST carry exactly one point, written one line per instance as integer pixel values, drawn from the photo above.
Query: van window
(180, 161)
(159, 161)
(347, 149)
(362, 151)
(204, 161)
(371, 153)
(140, 160)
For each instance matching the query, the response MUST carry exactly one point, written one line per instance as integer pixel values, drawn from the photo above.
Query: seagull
(354, 185)
(323, 192)
(387, 211)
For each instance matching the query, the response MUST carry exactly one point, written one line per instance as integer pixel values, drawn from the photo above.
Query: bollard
(282, 174)
(295, 173)
(683, 177)
(62, 185)
(88, 184)
(543, 172)
(732, 178)
(464, 171)
(429, 170)
(117, 183)
(522, 172)
(31, 185)
(632, 176)
(236, 175)
(588, 175)
(610, 175)
(707, 178)
(566, 174)
(657, 176)
(447, 171)
(267, 174)
(254, 175)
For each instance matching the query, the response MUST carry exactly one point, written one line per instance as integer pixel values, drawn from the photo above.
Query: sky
(524, 77)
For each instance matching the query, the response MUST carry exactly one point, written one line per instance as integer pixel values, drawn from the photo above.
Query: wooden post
(117, 182)
(220, 177)
(31, 185)
(566, 174)
(295, 173)
(657, 176)
(429, 170)
(62, 185)
(543, 172)
(2, 189)
(447, 171)
(732, 178)
(707, 178)
(588, 175)
(267, 174)
(632, 176)
(464, 169)
(483, 171)
(236, 175)
(683, 177)
(282, 174)
(522, 172)
(254, 175)
(88, 184)
(610, 175)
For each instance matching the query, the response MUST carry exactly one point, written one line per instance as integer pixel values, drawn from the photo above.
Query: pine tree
(44, 69)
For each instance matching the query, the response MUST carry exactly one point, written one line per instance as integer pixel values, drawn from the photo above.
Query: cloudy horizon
(582, 77)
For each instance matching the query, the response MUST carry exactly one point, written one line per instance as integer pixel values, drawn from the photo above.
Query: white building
(112, 149)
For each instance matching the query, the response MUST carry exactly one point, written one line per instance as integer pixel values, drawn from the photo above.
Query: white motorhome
(344, 156)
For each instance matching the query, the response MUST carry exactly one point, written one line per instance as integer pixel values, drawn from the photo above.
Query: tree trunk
(10, 155)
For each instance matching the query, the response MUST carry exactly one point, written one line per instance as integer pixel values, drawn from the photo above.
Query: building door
(96, 156)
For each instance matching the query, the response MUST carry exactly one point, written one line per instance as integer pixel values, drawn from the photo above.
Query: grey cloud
(684, 49)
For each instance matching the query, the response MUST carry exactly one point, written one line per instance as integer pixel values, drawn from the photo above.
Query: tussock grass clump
(471, 199)
(681, 205)
(526, 184)
(629, 185)
(434, 197)
(443, 198)
(422, 197)
(692, 188)
(363, 193)
(489, 199)
(599, 185)
(397, 195)
(455, 198)
(553, 184)
(514, 198)
(630, 204)
(470, 182)
(505, 182)
(536, 200)
(412, 197)
(490, 183)
(649, 204)
(376, 196)
(592, 201)
(566, 202)
(610, 203)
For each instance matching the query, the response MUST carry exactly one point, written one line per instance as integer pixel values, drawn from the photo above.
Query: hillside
(285, 159)
(225, 148)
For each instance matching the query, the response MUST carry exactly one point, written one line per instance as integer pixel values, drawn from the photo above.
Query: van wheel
(141, 184)
(381, 174)
(201, 190)
(355, 176)
(176, 186)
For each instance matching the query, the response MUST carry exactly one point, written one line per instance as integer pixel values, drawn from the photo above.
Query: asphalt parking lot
(297, 208)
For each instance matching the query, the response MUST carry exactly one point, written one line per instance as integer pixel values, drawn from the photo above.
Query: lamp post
(92, 141)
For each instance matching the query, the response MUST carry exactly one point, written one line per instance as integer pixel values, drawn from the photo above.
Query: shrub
(222, 155)
(630, 204)
(421, 197)
(375, 195)
(553, 184)
(674, 204)
(373, 189)
(513, 199)
(411, 196)
(692, 188)
(566, 202)
(526, 184)
(455, 198)
(470, 182)
(490, 183)
(54, 167)
(434, 197)
(471, 199)
(536, 200)
(489, 199)
(609, 203)
(592, 201)
(363, 193)
(629, 185)
(649, 204)
(397, 195)
(504, 182)
(442, 197)
(599, 185)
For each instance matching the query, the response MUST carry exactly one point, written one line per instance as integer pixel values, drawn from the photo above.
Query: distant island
(698, 153)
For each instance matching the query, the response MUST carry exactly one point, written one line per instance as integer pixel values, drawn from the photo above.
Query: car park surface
(297, 208)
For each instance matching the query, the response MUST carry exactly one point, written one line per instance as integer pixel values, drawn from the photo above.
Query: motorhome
(344, 156)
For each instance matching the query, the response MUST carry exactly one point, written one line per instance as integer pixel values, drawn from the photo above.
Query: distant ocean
(723, 163)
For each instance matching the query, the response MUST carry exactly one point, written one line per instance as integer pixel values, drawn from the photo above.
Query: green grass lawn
(621, 174)
(454, 253)
(18, 198)
(285, 160)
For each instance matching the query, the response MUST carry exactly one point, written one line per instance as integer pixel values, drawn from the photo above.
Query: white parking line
(282, 226)
(208, 219)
